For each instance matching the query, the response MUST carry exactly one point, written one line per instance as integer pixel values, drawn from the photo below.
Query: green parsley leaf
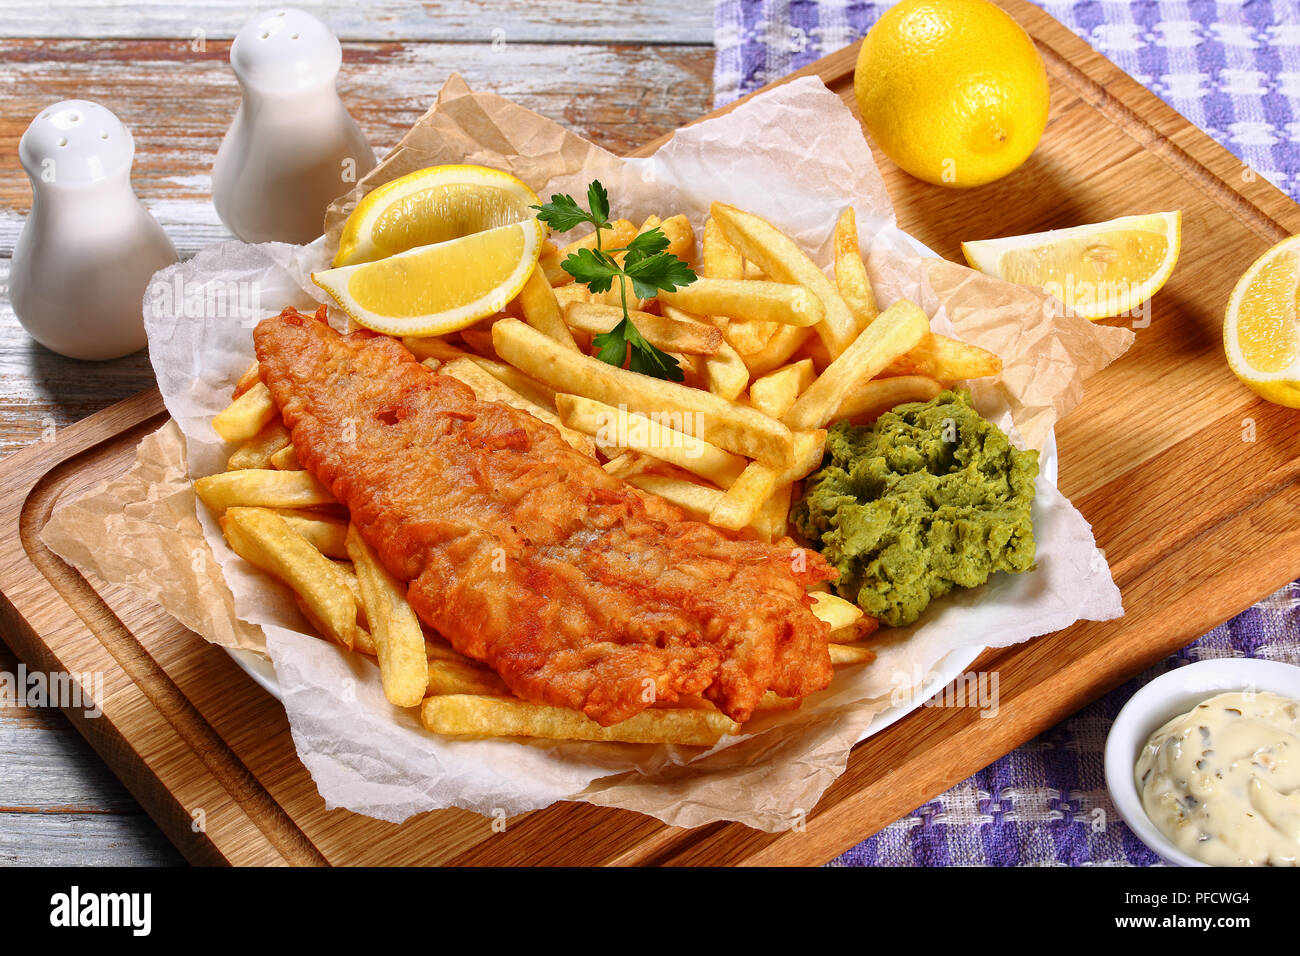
(598, 203)
(563, 213)
(593, 269)
(659, 271)
(647, 264)
(645, 244)
(623, 338)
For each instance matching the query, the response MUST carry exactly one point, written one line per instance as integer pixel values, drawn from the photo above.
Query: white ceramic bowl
(1169, 696)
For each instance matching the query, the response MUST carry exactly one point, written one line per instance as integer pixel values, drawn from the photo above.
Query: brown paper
(140, 531)
(371, 758)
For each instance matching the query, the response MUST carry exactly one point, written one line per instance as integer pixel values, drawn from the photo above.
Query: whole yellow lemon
(952, 90)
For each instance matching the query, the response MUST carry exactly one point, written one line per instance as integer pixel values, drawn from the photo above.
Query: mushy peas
(930, 497)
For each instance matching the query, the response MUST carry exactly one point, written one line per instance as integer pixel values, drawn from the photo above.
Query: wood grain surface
(620, 72)
(1199, 515)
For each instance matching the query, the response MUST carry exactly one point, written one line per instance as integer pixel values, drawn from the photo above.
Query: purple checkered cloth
(1233, 69)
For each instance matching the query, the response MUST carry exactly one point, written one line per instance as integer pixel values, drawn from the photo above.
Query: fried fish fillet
(578, 589)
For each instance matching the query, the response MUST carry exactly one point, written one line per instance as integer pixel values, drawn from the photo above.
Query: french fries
(627, 464)
(774, 514)
(719, 258)
(774, 393)
(748, 299)
(566, 295)
(671, 334)
(777, 254)
(681, 237)
(482, 716)
(945, 359)
(897, 329)
(511, 377)
(740, 505)
(865, 401)
(834, 610)
(617, 427)
(453, 677)
(848, 624)
(258, 451)
(844, 654)
(432, 347)
(399, 640)
(776, 351)
(541, 310)
(488, 388)
(724, 372)
(696, 500)
(252, 375)
(326, 535)
(264, 539)
(734, 427)
(549, 264)
(286, 459)
(265, 488)
(245, 416)
(851, 272)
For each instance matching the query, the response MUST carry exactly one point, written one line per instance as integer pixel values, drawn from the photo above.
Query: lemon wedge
(1100, 270)
(439, 288)
(429, 206)
(1261, 331)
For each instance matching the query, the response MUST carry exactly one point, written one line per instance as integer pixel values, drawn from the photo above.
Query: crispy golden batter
(578, 589)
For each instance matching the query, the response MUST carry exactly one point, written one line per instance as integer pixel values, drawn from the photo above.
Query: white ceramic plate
(1160, 701)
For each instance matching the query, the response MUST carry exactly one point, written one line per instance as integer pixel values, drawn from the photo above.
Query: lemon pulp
(1099, 270)
(443, 212)
(439, 279)
(1268, 333)
(432, 205)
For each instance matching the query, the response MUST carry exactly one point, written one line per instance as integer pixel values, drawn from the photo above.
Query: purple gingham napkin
(1233, 69)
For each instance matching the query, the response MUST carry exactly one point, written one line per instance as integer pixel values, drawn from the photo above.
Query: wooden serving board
(1197, 521)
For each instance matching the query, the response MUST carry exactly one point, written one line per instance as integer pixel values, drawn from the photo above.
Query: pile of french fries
(773, 352)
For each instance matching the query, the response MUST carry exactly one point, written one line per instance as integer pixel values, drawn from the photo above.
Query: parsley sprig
(646, 263)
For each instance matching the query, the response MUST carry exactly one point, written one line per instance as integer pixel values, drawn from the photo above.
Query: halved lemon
(429, 206)
(1100, 270)
(1261, 331)
(439, 288)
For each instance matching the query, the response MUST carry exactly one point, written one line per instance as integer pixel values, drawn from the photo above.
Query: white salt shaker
(292, 148)
(89, 247)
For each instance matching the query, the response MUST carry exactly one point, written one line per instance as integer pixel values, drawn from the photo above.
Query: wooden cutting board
(1189, 481)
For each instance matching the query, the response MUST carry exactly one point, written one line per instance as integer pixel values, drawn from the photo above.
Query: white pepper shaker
(292, 148)
(89, 247)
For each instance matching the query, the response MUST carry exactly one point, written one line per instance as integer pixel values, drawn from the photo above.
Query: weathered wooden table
(620, 72)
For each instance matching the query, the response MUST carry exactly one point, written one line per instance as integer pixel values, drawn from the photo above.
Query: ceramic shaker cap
(76, 143)
(287, 49)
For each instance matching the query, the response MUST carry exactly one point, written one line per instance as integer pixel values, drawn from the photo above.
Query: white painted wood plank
(48, 767)
(178, 105)
(83, 839)
(526, 21)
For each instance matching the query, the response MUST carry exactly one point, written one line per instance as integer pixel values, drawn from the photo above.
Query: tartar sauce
(1223, 781)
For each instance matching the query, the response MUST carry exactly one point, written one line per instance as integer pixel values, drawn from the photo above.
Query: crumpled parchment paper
(795, 155)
